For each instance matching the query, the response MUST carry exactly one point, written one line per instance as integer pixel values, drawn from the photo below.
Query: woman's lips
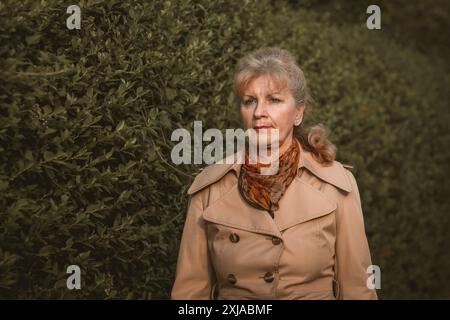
(261, 127)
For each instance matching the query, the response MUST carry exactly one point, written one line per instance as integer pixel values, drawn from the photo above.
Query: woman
(296, 234)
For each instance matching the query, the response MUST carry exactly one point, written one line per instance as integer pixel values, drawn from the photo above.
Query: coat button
(268, 277)
(234, 237)
(231, 278)
(276, 241)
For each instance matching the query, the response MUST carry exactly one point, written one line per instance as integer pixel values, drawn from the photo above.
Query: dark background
(86, 118)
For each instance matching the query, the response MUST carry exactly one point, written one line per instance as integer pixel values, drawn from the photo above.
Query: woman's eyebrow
(269, 94)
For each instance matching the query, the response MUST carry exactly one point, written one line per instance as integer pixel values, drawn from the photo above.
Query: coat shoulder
(342, 173)
(208, 176)
(337, 174)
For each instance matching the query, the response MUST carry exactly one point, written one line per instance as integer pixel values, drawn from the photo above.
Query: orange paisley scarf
(265, 191)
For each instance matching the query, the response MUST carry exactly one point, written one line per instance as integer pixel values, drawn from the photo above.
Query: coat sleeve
(194, 272)
(352, 249)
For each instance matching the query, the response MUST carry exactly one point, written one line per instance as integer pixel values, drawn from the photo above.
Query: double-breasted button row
(268, 277)
(234, 237)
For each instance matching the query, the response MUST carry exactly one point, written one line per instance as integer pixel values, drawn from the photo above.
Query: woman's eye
(248, 102)
(275, 100)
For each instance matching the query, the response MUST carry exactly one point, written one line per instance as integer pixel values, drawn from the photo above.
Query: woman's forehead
(268, 84)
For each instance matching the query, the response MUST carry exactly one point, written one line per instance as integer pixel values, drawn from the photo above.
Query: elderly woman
(295, 234)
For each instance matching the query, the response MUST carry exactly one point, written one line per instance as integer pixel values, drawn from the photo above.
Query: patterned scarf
(265, 191)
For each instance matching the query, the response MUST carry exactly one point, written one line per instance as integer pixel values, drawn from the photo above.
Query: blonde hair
(283, 68)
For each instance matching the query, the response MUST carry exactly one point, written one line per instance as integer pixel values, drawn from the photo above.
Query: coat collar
(334, 174)
(299, 204)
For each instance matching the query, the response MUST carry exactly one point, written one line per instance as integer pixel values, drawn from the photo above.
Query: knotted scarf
(265, 191)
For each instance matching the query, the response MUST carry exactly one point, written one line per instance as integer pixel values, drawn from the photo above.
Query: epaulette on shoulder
(347, 166)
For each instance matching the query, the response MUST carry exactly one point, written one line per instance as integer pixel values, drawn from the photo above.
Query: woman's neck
(267, 158)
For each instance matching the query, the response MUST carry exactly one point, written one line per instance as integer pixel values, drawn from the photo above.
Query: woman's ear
(299, 116)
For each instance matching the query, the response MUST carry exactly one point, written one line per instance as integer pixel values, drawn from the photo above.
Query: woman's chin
(267, 145)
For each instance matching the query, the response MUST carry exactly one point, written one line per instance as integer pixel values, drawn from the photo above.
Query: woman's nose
(260, 110)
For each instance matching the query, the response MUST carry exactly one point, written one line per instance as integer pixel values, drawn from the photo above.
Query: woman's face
(264, 106)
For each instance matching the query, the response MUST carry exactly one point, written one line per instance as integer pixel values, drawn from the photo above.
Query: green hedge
(86, 117)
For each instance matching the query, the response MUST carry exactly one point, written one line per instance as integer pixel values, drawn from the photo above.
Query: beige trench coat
(315, 247)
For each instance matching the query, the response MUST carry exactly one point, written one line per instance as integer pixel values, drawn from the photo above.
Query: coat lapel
(233, 211)
(302, 203)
